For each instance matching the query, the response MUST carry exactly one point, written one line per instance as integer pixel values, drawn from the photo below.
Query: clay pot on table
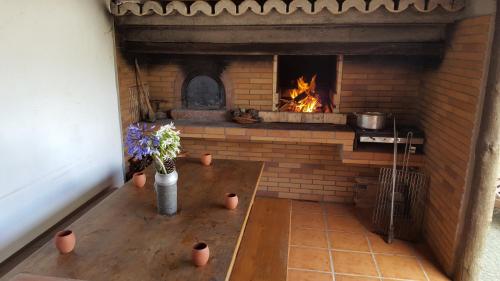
(200, 254)
(139, 179)
(65, 241)
(206, 159)
(231, 201)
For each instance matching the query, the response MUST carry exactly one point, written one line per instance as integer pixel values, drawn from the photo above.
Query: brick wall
(387, 84)
(298, 171)
(252, 82)
(162, 79)
(126, 79)
(449, 107)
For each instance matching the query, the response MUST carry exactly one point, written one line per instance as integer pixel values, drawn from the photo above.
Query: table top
(123, 237)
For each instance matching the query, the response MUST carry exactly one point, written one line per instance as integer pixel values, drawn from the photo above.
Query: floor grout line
(311, 247)
(308, 270)
(423, 269)
(373, 258)
(303, 212)
(325, 221)
(353, 251)
(332, 230)
(369, 276)
(358, 275)
(348, 274)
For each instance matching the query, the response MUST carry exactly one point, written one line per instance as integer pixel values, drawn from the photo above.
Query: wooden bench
(263, 251)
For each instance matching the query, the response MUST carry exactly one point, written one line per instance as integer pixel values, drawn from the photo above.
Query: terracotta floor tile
(344, 223)
(348, 241)
(299, 275)
(306, 207)
(314, 220)
(354, 263)
(396, 247)
(424, 254)
(433, 271)
(308, 237)
(400, 267)
(339, 277)
(339, 209)
(309, 258)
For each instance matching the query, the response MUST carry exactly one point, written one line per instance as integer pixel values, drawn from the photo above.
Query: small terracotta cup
(139, 179)
(65, 241)
(200, 254)
(231, 201)
(206, 159)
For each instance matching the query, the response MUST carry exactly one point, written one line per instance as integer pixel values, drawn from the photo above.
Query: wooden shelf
(378, 155)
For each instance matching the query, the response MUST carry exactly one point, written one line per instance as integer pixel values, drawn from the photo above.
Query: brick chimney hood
(389, 27)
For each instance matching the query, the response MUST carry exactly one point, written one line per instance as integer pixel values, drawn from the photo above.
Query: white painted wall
(60, 134)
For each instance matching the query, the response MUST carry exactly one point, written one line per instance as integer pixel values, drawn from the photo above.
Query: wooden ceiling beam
(408, 49)
(286, 34)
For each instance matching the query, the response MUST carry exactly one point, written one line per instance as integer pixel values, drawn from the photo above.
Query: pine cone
(169, 165)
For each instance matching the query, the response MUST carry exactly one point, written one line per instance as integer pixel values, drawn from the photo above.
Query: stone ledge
(200, 115)
(293, 133)
(267, 132)
(298, 117)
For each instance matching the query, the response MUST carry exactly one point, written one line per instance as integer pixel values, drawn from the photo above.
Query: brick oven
(306, 83)
(202, 88)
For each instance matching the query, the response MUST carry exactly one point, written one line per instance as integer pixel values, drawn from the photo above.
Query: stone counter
(302, 161)
(267, 132)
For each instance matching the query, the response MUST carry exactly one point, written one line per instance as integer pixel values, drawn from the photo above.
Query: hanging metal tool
(400, 201)
(390, 235)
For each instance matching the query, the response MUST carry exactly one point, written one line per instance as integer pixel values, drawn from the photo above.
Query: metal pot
(371, 120)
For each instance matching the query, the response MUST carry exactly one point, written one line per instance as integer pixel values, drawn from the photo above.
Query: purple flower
(140, 141)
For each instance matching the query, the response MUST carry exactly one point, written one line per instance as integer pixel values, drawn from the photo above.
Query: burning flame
(304, 96)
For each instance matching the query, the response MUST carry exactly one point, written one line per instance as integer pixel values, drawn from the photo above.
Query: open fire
(303, 98)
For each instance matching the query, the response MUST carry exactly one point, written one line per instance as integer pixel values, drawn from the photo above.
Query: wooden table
(123, 238)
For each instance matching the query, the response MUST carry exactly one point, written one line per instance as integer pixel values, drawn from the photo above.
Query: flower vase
(166, 193)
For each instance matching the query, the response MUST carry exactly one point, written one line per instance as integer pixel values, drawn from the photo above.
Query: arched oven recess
(203, 90)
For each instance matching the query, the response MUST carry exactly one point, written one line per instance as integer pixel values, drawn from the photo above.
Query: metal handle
(406, 155)
(390, 236)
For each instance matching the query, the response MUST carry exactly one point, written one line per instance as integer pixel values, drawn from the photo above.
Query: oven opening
(306, 83)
